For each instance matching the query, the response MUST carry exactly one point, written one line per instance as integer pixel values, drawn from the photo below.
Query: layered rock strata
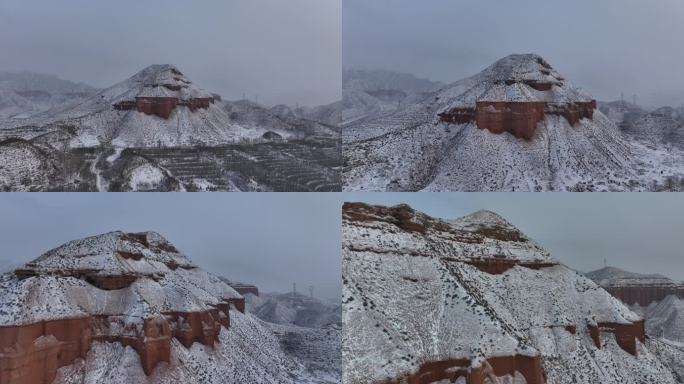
(137, 290)
(522, 90)
(475, 300)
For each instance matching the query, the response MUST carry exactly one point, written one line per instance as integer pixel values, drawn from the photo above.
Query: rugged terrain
(27, 94)
(474, 300)
(518, 125)
(368, 93)
(130, 308)
(157, 131)
(293, 308)
(662, 126)
(658, 299)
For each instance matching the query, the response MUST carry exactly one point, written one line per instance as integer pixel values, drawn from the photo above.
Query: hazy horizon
(268, 239)
(268, 49)
(637, 232)
(606, 48)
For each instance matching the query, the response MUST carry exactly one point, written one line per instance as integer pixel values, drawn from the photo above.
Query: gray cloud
(282, 51)
(605, 47)
(639, 232)
(270, 239)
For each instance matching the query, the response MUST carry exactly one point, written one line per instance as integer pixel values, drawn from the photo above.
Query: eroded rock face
(163, 91)
(626, 335)
(518, 92)
(633, 288)
(530, 367)
(244, 289)
(94, 285)
(421, 306)
(644, 295)
(517, 118)
(32, 353)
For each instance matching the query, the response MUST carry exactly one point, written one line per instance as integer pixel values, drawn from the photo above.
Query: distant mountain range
(26, 94)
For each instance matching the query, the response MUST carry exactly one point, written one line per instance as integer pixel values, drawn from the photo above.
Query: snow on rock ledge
(483, 239)
(423, 301)
(515, 95)
(135, 289)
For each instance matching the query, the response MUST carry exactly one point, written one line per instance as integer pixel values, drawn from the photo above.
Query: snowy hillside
(293, 308)
(371, 92)
(129, 307)
(97, 122)
(474, 300)
(453, 140)
(26, 94)
(157, 131)
(658, 299)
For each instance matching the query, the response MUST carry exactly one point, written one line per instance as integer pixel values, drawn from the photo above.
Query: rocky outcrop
(238, 303)
(160, 106)
(530, 367)
(409, 220)
(163, 106)
(634, 288)
(244, 289)
(626, 335)
(402, 215)
(201, 327)
(645, 294)
(497, 266)
(515, 94)
(32, 351)
(517, 118)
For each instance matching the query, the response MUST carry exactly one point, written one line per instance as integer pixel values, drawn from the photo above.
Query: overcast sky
(638, 232)
(605, 47)
(283, 51)
(268, 239)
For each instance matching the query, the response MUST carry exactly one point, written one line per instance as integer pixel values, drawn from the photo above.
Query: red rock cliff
(644, 294)
(430, 372)
(626, 335)
(517, 118)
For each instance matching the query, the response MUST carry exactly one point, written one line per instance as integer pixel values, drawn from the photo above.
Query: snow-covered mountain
(518, 125)
(131, 308)
(366, 93)
(158, 106)
(25, 94)
(660, 300)
(293, 308)
(474, 300)
(157, 131)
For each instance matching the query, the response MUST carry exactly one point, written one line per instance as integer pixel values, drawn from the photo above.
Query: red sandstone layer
(496, 266)
(162, 106)
(31, 354)
(645, 295)
(518, 118)
(453, 369)
(626, 335)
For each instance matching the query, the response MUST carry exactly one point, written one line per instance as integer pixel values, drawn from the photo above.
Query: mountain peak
(111, 253)
(483, 217)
